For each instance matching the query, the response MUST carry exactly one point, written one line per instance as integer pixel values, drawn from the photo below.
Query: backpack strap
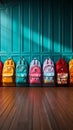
(23, 61)
(10, 61)
(63, 62)
(46, 61)
(35, 61)
(50, 62)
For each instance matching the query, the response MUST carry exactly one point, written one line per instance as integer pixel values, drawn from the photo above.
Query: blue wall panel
(8, 31)
(15, 29)
(35, 27)
(3, 31)
(56, 27)
(26, 28)
(46, 27)
(41, 29)
(67, 28)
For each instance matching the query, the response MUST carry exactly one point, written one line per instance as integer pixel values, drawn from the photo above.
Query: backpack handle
(35, 61)
(62, 61)
(10, 62)
(22, 60)
(49, 61)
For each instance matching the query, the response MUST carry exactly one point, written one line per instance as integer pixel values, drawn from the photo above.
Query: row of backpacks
(48, 74)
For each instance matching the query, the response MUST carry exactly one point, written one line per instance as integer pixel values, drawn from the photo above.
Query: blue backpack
(21, 71)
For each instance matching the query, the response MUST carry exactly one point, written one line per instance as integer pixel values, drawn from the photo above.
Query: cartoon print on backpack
(48, 72)
(35, 72)
(8, 73)
(62, 71)
(71, 71)
(1, 67)
(21, 71)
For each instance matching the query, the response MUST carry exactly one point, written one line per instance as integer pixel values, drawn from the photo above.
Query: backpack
(48, 72)
(71, 71)
(35, 72)
(62, 71)
(21, 71)
(8, 72)
(1, 66)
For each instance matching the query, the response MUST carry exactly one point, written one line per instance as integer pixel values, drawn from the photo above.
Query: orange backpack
(71, 71)
(8, 72)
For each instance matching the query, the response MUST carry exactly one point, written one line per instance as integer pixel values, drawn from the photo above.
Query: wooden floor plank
(8, 106)
(18, 105)
(36, 110)
(4, 101)
(23, 121)
(24, 108)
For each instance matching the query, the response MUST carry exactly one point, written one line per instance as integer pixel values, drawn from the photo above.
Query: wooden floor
(25, 108)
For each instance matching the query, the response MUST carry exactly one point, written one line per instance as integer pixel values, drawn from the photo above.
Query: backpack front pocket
(35, 80)
(62, 78)
(48, 79)
(21, 79)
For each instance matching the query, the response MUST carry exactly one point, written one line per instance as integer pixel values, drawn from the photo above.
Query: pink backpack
(48, 71)
(35, 72)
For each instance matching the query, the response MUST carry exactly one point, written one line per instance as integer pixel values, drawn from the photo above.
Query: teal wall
(36, 28)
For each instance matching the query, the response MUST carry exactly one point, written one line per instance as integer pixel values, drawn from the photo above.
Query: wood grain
(33, 108)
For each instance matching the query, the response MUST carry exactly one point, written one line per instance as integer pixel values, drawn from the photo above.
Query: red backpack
(1, 66)
(61, 66)
(62, 71)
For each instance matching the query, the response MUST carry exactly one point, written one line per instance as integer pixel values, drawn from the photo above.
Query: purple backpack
(48, 72)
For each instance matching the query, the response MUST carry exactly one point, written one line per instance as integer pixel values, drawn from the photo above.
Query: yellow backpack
(8, 72)
(71, 70)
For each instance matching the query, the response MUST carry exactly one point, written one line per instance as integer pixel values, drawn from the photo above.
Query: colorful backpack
(1, 66)
(48, 72)
(35, 72)
(71, 71)
(8, 72)
(62, 71)
(21, 71)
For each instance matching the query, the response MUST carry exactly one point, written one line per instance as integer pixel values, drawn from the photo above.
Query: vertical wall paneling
(3, 28)
(8, 31)
(41, 29)
(46, 40)
(67, 28)
(56, 27)
(35, 27)
(16, 28)
(26, 27)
